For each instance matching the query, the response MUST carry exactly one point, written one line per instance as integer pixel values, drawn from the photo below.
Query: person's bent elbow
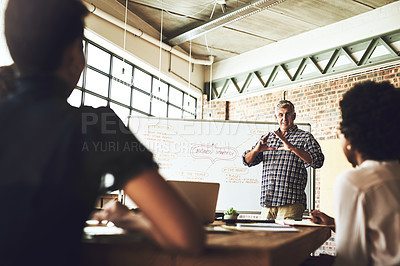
(317, 161)
(191, 243)
(195, 246)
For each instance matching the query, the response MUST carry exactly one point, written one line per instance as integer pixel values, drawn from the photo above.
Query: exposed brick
(316, 104)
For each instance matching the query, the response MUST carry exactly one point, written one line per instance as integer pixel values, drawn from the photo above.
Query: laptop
(201, 196)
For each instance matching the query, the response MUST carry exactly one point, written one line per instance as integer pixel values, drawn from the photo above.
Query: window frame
(153, 96)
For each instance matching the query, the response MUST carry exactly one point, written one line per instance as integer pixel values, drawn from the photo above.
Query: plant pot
(230, 217)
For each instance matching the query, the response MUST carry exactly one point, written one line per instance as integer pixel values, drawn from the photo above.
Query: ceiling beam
(368, 25)
(222, 20)
(390, 42)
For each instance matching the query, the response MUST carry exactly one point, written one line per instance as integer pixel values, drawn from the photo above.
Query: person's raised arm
(305, 156)
(170, 221)
(260, 147)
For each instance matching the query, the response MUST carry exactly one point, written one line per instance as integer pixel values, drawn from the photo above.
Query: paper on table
(217, 229)
(103, 230)
(304, 222)
(266, 227)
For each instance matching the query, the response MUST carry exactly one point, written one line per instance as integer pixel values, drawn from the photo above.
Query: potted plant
(230, 214)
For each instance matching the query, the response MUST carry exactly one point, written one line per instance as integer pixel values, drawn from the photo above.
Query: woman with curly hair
(367, 198)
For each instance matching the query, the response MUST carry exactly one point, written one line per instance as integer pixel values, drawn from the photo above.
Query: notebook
(201, 196)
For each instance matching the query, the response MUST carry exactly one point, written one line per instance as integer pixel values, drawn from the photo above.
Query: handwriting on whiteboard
(213, 152)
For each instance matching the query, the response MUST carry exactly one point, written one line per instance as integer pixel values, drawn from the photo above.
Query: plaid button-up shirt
(284, 175)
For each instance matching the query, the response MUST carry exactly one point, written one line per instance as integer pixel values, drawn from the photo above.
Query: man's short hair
(38, 32)
(370, 120)
(285, 104)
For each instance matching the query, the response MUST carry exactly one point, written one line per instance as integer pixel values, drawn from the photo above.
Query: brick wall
(316, 103)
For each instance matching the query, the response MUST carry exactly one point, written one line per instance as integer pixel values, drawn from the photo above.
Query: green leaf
(231, 211)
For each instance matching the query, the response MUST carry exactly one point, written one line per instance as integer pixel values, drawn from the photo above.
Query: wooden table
(233, 248)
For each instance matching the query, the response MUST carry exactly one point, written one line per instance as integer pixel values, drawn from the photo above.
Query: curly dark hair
(370, 120)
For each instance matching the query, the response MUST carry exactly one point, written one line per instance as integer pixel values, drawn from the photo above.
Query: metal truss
(226, 18)
(374, 51)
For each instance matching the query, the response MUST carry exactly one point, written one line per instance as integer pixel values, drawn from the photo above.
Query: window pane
(188, 116)
(175, 96)
(121, 111)
(134, 113)
(122, 70)
(141, 101)
(158, 108)
(97, 82)
(142, 91)
(189, 104)
(142, 80)
(94, 101)
(160, 89)
(120, 92)
(98, 58)
(174, 112)
(75, 98)
(80, 81)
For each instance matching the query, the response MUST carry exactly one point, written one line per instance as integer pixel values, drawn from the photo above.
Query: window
(189, 104)
(94, 101)
(96, 82)
(121, 111)
(80, 81)
(174, 112)
(120, 92)
(158, 108)
(160, 89)
(175, 96)
(142, 80)
(122, 70)
(109, 80)
(141, 101)
(187, 115)
(75, 98)
(98, 58)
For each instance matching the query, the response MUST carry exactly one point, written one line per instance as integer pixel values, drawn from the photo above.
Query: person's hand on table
(319, 217)
(122, 217)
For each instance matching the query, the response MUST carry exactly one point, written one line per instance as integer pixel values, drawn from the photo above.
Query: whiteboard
(208, 151)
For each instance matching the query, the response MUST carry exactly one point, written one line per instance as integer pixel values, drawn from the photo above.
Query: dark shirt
(284, 174)
(52, 159)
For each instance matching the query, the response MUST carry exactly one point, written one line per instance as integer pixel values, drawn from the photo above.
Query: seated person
(51, 170)
(367, 198)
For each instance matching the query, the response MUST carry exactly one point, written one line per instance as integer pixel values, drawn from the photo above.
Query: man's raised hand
(262, 144)
(287, 146)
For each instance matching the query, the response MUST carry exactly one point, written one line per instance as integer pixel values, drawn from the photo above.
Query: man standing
(285, 154)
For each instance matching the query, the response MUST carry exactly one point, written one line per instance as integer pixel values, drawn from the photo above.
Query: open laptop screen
(201, 196)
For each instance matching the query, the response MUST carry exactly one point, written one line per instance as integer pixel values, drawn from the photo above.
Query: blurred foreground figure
(50, 167)
(7, 81)
(367, 198)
